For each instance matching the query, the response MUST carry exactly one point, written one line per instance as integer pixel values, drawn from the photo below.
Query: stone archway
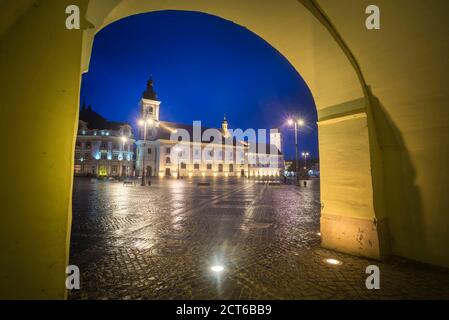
(35, 236)
(338, 92)
(343, 103)
(357, 226)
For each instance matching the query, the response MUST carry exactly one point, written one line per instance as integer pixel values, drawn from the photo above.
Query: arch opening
(330, 125)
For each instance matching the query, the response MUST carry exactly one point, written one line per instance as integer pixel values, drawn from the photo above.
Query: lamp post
(82, 165)
(144, 123)
(124, 140)
(296, 123)
(305, 155)
(248, 165)
(178, 151)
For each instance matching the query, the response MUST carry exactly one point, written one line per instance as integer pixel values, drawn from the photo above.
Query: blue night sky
(203, 67)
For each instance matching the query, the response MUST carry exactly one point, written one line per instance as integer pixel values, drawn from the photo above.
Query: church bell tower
(225, 127)
(149, 104)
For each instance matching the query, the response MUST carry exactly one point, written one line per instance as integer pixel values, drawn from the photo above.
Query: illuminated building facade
(103, 148)
(161, 151)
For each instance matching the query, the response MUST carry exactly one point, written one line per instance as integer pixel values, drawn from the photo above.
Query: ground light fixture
(333, 262)
(217, 269)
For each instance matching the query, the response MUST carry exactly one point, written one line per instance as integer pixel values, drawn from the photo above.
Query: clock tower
(149, 104)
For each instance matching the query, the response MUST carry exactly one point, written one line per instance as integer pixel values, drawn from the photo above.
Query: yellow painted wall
(287, 25)
(346, 177)
(407, 67)
(297, 34)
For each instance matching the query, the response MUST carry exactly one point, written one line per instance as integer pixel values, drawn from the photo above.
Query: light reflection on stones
(160, 242)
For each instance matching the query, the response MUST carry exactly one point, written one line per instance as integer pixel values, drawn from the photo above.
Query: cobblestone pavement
(160, 242)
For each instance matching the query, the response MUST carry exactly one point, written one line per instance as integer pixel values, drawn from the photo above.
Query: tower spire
(149, 104)
(225, 126)
(149, 93)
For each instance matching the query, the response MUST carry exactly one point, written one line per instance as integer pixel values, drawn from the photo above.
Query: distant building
(315, 169)
(289, 164)
(103, 148)
(162, 156)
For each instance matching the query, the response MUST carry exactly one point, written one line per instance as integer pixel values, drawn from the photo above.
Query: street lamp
(124, 141)
(179, 150)
(296, 123)
(305, 155)
(82, 165)
(144, 123)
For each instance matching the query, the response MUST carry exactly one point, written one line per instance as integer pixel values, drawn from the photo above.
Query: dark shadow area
(401, 194)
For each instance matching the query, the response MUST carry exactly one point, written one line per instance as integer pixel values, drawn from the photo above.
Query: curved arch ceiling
(314, 53)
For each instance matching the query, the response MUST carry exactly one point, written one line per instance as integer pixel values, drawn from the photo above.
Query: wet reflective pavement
(161, 242)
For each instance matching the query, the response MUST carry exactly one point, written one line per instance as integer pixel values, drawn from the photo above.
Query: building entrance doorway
(103, 171)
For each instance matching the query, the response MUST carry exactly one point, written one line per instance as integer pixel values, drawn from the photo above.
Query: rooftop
(165, 130)
(97, 122)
